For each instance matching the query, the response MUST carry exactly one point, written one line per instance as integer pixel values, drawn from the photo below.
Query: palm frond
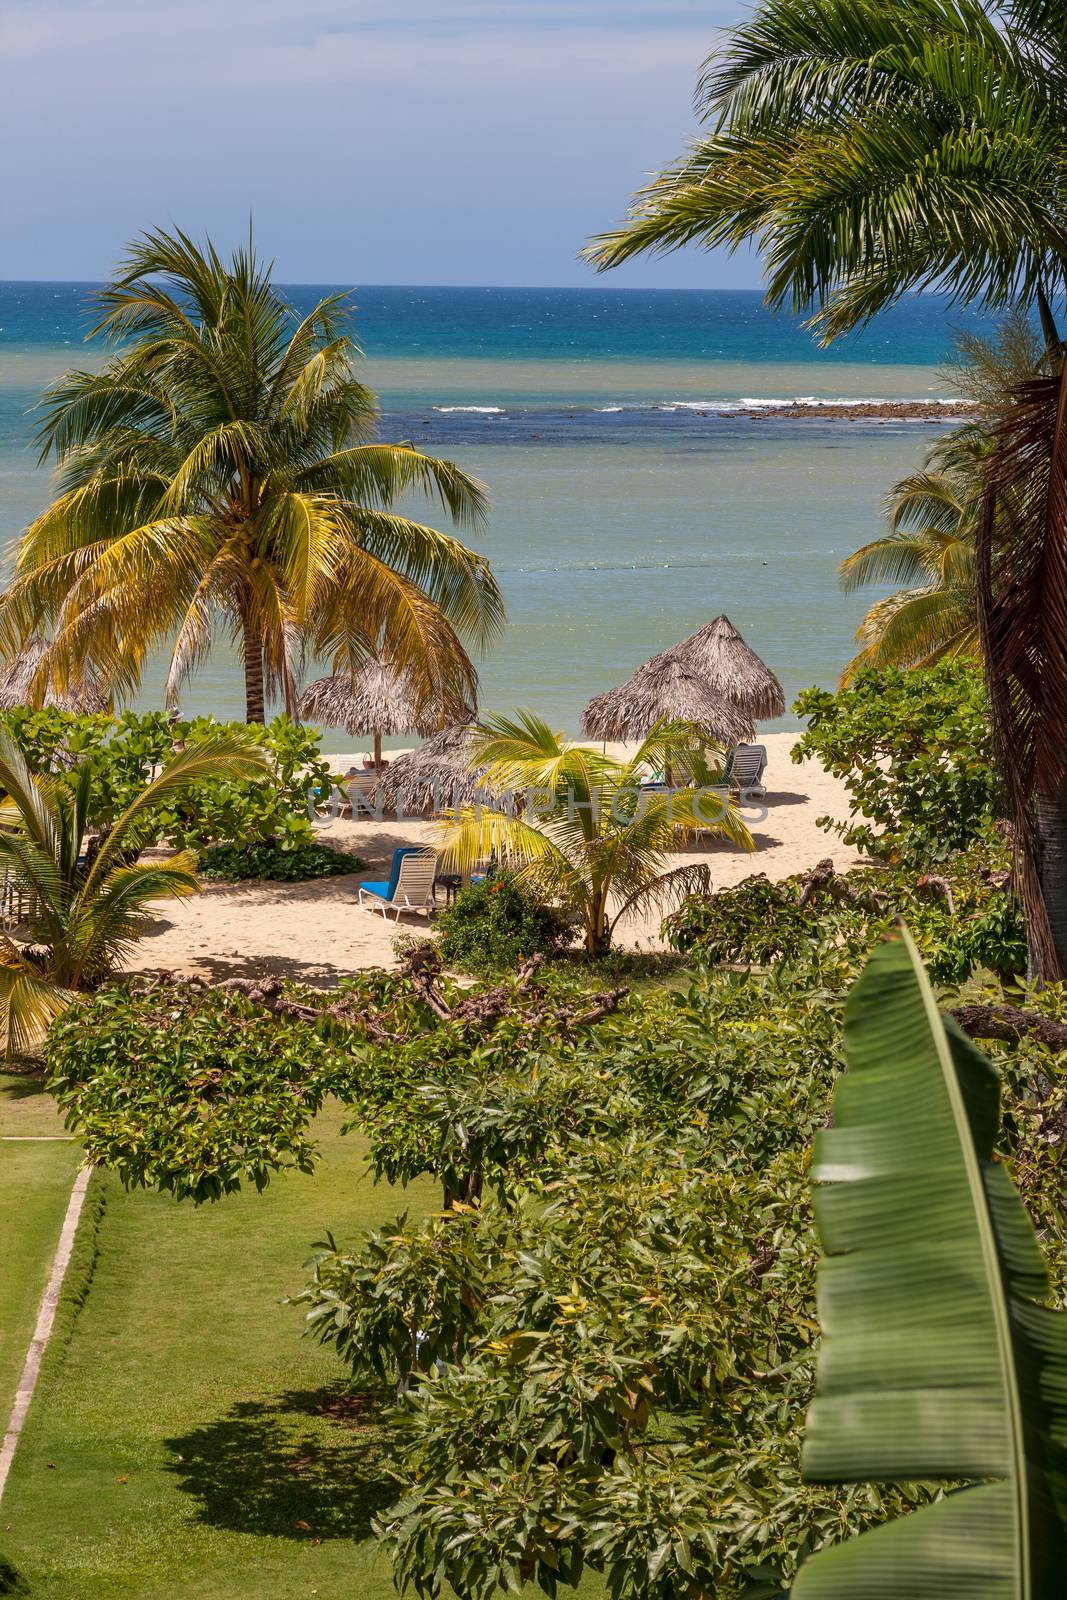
(107, 920)
(214, 755)
(670, 889)
(29, 1001)
(377, 475)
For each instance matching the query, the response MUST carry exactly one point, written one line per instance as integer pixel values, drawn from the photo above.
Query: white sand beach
(317, 933)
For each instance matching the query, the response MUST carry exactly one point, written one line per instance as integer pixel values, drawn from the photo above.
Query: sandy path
(317, 933)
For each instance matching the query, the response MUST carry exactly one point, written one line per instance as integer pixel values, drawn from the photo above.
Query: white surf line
(46, 1316)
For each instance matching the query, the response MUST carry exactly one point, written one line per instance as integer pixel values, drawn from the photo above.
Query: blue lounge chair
(409, 887)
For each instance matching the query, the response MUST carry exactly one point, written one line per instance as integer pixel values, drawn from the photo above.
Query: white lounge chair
(411, 889)
(747, 765)
(361, 789)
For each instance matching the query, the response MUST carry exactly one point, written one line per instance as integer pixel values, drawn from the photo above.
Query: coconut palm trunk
(252, 654)
(597, 937)
(1051, 851)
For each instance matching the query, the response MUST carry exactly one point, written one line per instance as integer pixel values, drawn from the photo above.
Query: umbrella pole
(377, 749)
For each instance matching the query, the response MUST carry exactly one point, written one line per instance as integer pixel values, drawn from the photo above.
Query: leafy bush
(624, 1324)
(276, 863)
(275, 811)
(915, 751)
(123, 750)
(492, 925)
(758, 922)
(192, 1091)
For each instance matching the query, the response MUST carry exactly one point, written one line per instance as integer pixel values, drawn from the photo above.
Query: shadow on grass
(21, 1083)
(10, 1582)
(302, 1465)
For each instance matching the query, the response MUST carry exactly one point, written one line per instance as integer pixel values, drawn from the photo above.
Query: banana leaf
(941, 1357)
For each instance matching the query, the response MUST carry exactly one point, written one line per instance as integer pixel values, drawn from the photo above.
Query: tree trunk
(252, 651)
(468, 1193)
(1050, 817)
(597, 935)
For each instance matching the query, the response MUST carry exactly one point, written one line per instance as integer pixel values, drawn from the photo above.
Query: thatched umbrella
(377, 700)
(732, 668)
(436, 775)
(665, 688)
(16, 680)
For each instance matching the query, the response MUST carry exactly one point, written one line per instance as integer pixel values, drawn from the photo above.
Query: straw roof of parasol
(732, 668)
(667, 687)
(377, 699)
(436, 775)
(16, 680)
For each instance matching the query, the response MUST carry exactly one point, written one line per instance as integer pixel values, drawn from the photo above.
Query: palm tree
(873, 147)
(220, 472)
(933, 520)
(582, 832)
(934, 515)
(86, 911)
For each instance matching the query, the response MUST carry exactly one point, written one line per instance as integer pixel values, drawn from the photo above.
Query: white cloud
(415, 46)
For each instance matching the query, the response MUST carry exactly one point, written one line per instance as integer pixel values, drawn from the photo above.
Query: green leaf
(938, 1359)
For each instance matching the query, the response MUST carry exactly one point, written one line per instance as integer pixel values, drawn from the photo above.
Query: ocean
(633, 497)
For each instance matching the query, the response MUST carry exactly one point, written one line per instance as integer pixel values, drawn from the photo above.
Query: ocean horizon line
(600, 286)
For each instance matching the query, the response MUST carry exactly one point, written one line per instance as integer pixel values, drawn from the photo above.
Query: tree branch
(1010, 1024)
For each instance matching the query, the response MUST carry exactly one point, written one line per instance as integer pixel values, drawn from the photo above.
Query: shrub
(276, 863)
(273, 811)
(760, 922)
(227, 1089)
(757, 922)
(985, 930)
(605, 1362)
(915, 751)
(492, 925)
(608, 1348)
(122, 752)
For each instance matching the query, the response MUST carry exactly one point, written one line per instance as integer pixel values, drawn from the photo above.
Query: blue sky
(374, 141)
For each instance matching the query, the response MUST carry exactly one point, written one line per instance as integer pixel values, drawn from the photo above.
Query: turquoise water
(631, 500)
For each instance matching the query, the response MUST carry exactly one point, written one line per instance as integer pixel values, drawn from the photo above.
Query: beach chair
(360, 793)
(745, 769)
(410, 885)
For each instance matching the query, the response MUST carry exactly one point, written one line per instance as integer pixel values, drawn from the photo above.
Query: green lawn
(184, 1439)
(35, 1184)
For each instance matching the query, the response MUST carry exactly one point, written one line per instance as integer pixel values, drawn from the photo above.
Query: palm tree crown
(930, 547)
(221, 471)
(934, 514)
(86, 911)
(582, 830)
(870, 147)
